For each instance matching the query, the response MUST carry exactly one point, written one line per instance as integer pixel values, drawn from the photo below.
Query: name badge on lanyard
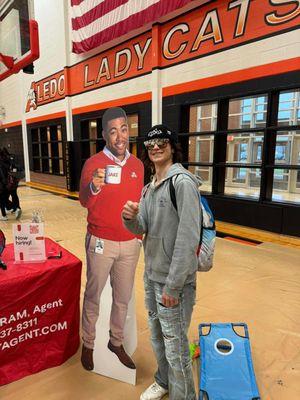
(99, 246)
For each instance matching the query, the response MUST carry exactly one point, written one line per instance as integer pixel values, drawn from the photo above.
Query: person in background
(171, 242)
(110, 249)
(14, 173)
(3, 185)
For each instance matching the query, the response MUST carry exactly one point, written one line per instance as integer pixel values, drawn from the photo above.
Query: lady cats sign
(214, 27)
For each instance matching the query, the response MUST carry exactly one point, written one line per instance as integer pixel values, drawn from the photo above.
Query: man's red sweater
(104, 209)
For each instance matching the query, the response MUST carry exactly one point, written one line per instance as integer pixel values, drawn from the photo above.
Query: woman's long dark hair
(148, 164)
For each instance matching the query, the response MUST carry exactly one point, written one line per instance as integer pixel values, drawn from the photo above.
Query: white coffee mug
(113, 174)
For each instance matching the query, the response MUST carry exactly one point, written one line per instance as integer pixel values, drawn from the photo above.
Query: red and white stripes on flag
(95, 22)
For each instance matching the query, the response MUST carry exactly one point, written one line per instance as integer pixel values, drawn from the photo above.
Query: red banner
(209, 29)
(39, 313)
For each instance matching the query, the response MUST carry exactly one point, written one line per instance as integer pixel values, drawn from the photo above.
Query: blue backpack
(208, 232)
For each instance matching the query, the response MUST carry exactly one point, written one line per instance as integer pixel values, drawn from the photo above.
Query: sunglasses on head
(161, 143)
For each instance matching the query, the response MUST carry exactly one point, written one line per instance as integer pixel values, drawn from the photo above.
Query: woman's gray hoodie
(171, 237)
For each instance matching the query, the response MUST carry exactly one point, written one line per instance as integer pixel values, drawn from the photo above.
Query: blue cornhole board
(226, 369)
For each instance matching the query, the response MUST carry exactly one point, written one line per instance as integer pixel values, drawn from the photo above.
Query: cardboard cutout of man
(111, 250)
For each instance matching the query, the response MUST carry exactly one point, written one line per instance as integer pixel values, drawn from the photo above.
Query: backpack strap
(174, 202)
(172, 191)
(145, 190)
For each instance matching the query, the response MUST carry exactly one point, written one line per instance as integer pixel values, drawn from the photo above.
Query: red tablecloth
(39, 313)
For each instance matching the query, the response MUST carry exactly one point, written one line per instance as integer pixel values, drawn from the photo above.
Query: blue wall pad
(226, 369)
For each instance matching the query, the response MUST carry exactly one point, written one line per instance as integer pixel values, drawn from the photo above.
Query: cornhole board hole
(226, 369)
(105, 362)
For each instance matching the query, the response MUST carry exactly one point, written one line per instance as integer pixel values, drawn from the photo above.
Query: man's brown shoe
(87, 358)
(122, 355)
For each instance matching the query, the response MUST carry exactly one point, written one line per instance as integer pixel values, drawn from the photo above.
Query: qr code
(33, 229)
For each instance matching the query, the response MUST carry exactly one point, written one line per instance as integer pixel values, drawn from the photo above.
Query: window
(206, 117)
(203, 119)
(286, 169)
(244, 148)
(47, 150)
(242, 182)
(248, 112)
(289, 108)
(286, 166)
(248, 157)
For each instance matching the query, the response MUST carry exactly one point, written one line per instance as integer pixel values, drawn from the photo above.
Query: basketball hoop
(13, 66)
(7, 61)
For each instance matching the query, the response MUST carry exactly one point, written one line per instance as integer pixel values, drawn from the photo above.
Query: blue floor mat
(226, 369)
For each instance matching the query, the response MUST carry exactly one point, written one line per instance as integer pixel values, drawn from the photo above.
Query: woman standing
(13, 179)
(3, 185)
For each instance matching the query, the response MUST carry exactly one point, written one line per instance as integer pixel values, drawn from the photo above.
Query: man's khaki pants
(119, 260)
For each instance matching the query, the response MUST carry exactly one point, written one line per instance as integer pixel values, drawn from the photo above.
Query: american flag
(95, 22)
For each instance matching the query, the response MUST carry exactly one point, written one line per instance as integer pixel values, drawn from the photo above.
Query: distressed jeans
(168, 327)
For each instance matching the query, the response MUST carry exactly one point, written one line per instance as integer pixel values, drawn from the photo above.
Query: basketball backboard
(19, 44)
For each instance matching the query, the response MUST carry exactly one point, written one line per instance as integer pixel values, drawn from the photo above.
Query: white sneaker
(3, 218)
(18, 213)
(153, 392)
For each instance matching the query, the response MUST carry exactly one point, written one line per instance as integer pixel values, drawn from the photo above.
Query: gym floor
(254, 283)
